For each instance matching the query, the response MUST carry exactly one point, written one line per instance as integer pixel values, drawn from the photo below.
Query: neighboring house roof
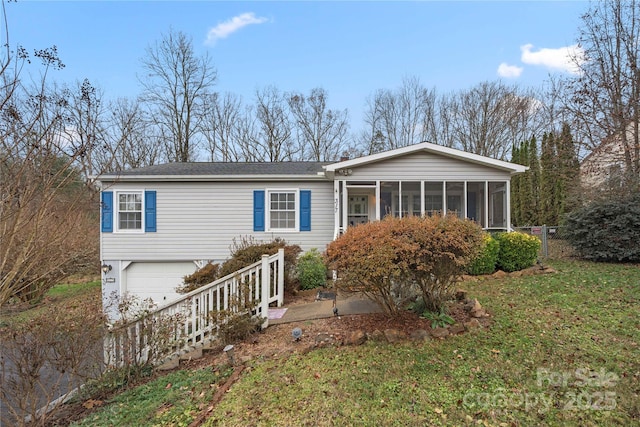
(210, 171)
(429, 148)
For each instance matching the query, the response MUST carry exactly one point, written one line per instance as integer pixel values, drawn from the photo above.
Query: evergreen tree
(526, 186)
(516, 216)
(559, 177)
(548, 178)
(568, 193)
(534, 172)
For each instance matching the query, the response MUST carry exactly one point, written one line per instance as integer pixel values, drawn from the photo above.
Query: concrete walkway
(323, 308)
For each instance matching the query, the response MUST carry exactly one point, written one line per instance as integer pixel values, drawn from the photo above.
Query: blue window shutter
(305, 210)
(258, 210)
(150, 211)
(107, 211)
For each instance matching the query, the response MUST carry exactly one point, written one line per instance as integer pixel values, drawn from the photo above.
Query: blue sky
(350, 49)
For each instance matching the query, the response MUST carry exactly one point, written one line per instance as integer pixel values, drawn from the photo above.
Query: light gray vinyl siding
(426, 166)
(199, 220)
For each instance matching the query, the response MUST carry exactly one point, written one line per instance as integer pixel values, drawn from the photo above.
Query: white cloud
(228, 27)
(563, 58)
(509, 71)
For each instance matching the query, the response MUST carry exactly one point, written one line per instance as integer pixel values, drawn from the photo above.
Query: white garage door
(157, 280)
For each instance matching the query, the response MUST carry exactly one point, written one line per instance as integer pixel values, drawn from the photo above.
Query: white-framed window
(129, 211)
(283, 210)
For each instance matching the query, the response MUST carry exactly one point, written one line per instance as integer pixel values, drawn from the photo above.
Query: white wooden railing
(190, 322)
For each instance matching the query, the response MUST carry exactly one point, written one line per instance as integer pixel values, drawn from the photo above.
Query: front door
(358, 212)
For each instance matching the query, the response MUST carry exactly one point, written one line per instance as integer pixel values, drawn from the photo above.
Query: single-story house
(162, 222)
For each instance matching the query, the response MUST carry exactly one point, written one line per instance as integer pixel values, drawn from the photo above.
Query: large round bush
(517, 251)
(387, 258)
(485, 262)
(606, 231)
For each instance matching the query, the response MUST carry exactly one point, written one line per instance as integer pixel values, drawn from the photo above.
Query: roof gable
(430, 148)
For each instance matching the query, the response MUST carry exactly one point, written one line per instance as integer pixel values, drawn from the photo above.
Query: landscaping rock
(471, 304)
(376, 335)
(499, 274)
(324, 338)
(472, 324)
(440, 332)
(478, 313)
(394, 335)
(456, 329)
(355, 338)
(419, 335)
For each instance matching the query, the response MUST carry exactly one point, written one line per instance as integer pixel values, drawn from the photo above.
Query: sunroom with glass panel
(481, 201)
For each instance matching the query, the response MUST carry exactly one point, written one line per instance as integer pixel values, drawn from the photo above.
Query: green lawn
(172, 400)
(563, 350)
(64, 295)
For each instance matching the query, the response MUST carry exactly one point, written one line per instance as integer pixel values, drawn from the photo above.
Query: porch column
(377, 200)
(336, 209)
(465, 208)
(507, 198)
(422, 190)
(444, 198)
(486, 204)
(345, 207)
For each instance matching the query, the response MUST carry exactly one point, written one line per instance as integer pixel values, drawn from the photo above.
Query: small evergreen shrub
(517, 251)
(606, 231)
(487, 259)
(312, 273)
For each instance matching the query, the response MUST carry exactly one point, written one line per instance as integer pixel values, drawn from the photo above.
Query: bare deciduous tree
(46, 211)
(321, 132)
(488, 118)
(132, 141)
(399, 118)
(272, 139)
(222, 127)
(85, 126)
(176, 86)
(605, 96)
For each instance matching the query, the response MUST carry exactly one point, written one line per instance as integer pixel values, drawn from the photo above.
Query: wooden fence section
(195, 319)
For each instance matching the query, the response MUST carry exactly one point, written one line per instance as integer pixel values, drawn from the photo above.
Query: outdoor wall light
(345, 172)
(106, 268)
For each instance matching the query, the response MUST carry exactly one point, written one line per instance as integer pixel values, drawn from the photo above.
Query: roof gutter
(208, 178)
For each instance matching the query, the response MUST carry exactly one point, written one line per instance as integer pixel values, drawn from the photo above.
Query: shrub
(365, 259)
(312, 273)
(207, 274)
(485, 262)
(248, 250)
(440, 248)
(517, 250)
(391, 256)
(606, 231)
(236, 327)
(46, 357)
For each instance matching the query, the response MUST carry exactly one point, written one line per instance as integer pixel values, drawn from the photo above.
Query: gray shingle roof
(224, 169)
